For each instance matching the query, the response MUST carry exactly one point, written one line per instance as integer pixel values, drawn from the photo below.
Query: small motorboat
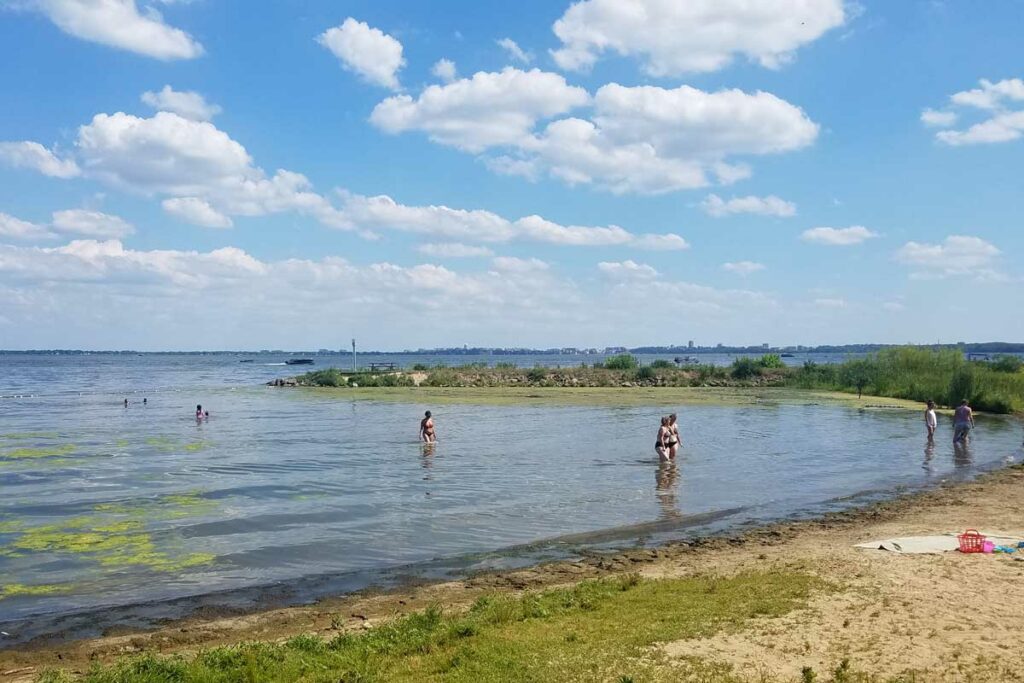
(788, 355)
(299, 361)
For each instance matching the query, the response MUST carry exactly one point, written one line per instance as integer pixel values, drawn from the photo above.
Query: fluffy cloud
(830, 303)
(957, 255)
(627, 270)
(695, 36)
(511, 264)
(187, 103)
(771, 205)
(996, 100)
(34, 156)
(743, 268)
(454, 250)
(97, 288)
(445, 70)
(86, 223)
(15, 228)
(838, 237)
(197, 212)
(486, 110)
(78, 222)
(990, 95)
(207, 177)
(112, 296)
(384, 213)
(119, 24)
(514, 51)
(938, 119)
(1000, 128)
(642, 139)
(366, 51)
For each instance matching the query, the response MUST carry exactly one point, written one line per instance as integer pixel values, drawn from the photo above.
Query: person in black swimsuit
(427, 428)
(661, 441)
(674, 442)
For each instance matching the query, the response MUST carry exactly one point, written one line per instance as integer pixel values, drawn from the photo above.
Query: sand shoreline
(822, 545)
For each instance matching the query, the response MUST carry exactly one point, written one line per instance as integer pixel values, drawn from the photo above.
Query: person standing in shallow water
(930, 420)
(661, 442)
(963, 422)
(674, 440)
(427, 428)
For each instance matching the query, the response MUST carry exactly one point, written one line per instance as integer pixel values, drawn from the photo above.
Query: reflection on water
(929, 456)
(106, 505)
(962, 455)
(666, 479)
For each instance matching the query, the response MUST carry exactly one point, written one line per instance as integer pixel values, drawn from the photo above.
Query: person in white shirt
(930, 420)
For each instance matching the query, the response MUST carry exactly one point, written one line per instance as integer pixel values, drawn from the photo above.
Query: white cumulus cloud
(644, 139)
(673, 37)
(15, 228)
(771, 205)
(445, 70)
(197, 212)
(957, 255)
(87, 223)
(485, 110)
(1001, 104)
(627, 270)
(186, 103)
(454, 250)
(743, 267)
(830, 303)
(34, 156)
(366, 51)
(119, 24)
(838, 237)
(514, 51)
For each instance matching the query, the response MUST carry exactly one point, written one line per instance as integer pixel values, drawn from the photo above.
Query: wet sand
(950, 616)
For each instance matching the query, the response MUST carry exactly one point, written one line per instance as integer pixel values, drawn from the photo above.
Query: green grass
(603, 630)
(917, 374)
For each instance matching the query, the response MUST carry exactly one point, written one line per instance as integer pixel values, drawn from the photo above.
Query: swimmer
(661, 446)
(126, 403)
(144, 401)
(199, 412)
(963, 422)
(427, 428)
(674, 441)
(930, 420)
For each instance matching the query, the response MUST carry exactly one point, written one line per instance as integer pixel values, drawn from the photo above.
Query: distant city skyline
(219, 176)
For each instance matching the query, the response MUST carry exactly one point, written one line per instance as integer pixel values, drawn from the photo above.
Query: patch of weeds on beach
(598, 630)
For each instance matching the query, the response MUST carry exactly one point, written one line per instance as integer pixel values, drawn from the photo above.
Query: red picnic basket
(971, 541)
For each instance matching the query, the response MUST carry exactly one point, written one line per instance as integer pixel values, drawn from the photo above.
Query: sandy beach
(947, 617)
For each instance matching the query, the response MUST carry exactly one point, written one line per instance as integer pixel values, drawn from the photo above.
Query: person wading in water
(427, 428)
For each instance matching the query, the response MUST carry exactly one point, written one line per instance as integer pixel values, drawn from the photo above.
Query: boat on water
(686, 360)
(299, 361)
(246, 360)
(788, 355)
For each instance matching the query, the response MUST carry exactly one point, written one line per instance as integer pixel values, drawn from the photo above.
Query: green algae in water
(111, 541)
(165, 444)
(44, 452)
(21, 436)
(14, 589)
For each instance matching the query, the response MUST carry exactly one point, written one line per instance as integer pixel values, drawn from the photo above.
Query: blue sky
(592, 173)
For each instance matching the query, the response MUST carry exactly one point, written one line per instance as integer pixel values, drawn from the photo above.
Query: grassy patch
(44, 452)
(600, 630)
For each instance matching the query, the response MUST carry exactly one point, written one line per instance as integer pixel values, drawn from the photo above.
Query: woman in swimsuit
(661, 446)
(427, 428)
(674, 442)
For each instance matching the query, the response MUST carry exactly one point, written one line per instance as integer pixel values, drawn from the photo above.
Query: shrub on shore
(916, 374)
(623, 361)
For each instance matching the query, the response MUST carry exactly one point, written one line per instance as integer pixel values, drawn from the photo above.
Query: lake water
(123, 515)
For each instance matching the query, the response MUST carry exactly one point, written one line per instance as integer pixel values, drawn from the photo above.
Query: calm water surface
(106, 506)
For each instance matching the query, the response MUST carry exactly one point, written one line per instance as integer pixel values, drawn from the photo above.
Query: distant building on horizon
(689, 344)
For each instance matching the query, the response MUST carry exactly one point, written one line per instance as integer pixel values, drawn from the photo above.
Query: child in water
(930, 420)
